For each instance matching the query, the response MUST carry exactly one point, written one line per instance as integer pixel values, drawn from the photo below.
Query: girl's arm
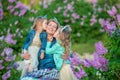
(26, 41)
(43, 37)
(56, 49)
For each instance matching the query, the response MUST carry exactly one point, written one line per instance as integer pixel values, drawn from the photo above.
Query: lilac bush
(99, 62)
(16, 20)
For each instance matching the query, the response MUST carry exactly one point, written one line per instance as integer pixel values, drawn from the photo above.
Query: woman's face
(44, 24)
(51, 28)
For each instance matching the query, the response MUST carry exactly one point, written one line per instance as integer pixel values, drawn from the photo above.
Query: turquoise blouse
(57, 50)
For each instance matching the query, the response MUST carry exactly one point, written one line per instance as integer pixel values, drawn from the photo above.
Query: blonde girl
(35, 42)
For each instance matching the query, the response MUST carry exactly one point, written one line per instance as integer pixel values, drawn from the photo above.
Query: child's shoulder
(32, 31)
(58, 43)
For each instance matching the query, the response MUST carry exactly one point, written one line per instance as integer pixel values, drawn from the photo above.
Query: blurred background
(83, 16)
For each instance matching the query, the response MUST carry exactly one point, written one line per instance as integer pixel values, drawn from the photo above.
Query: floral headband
(66, 28)
(43, 17)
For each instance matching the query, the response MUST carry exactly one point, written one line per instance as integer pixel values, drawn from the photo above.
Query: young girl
(35, 42)
(60, 48)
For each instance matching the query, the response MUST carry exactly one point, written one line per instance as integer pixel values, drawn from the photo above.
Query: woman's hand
(65, 56)
(26, 56)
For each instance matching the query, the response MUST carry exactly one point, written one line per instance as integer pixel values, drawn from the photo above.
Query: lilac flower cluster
(98, 62)
(7, 57)
(110, 25)
(75, 62)
(9, 38)
(1, 11)
(68, 11)
(19, 6)
(46, 3)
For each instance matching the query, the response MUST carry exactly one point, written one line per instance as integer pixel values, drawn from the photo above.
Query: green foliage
(79, 7)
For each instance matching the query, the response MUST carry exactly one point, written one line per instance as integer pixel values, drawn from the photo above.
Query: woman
(47, 69)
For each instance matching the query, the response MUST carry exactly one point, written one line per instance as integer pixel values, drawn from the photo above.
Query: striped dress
(42, 74)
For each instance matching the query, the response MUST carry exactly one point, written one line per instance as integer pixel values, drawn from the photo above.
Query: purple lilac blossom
(86, 63)
(11, 1)
(103, 61)
(6, 75)
(22, 12)
(94, 1)
(1, 66)
(75, 15)
(93, 20)
(100, 49)
(9, 39)
(112, 12)
(65, 13)
(12, 10)
(81, 73)
(10, 57)
(95, 62)
(8, 51)
(99, 9)
(1, 14)
(102, 22)
(9, 7)
(75, 60)
(45, 5)
(15, 13)
(70, 7)
(118, 18)
(110, 27)
(15, 65)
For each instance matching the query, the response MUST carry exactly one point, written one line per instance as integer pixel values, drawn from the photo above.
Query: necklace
(50, 39)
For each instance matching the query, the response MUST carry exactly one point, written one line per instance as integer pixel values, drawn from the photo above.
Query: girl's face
(51, 28)
(57, 33)
(38, 25)
(61, 35)
(44, 25)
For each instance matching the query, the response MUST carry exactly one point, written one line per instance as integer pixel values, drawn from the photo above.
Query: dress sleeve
(26, 41)
(55, 49)
(43, 37)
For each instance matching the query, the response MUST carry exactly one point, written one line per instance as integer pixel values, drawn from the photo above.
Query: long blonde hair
(65, 40)
(37, 20)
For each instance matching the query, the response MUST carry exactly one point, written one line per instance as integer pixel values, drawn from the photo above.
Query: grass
(82, 48)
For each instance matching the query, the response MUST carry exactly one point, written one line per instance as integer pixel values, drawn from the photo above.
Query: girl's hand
(42, 55)
(26, 56)
(65, 56)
